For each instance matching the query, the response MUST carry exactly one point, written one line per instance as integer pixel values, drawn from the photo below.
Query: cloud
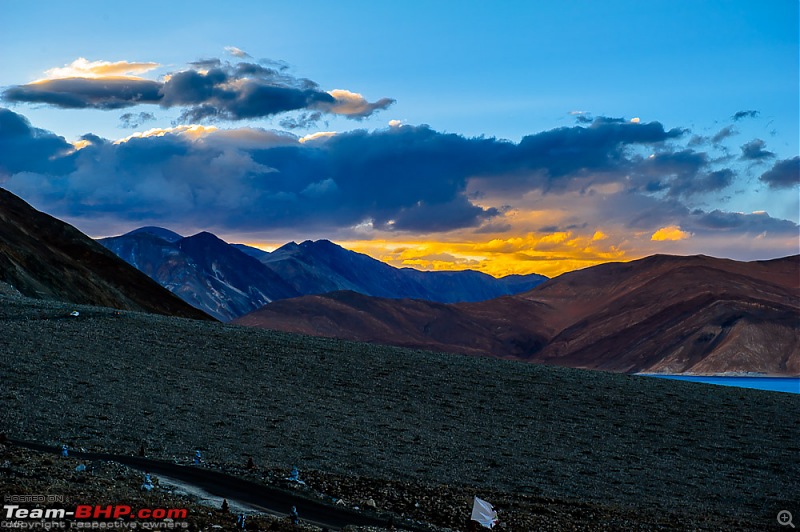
(568, 158)
(724, 133)
(353, 105)
(582, 117)
(83, 68)
(87, 93)
(587, 185)
(135, 120)
(302, 121)
(783, 174)
(237, 52)
(671, 233)
(718, 221)
(316, 136)
(754, 150)
(192, 132)
(208, 91)
(228, 179)
(24, 148)
(739, 115)
(676, 172)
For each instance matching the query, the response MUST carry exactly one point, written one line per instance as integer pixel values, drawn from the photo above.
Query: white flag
(484, 513)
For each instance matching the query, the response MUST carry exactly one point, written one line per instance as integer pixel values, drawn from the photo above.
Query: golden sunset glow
(80, 144)
(318, 135)
(672, 232)
(347, 102)
(546, 254)
(83, 68)
(193, 132)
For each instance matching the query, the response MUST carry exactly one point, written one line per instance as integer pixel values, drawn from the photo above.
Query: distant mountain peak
(206, 239)
(205, 235)
(159, 232)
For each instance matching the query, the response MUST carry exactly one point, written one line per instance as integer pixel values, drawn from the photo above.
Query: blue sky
(502, 70)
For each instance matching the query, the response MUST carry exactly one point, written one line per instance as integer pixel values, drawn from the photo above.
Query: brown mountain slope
(404, 322)
(662, 313)
(45, 258)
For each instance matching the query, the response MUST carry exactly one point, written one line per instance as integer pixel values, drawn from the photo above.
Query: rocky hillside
(45, 258)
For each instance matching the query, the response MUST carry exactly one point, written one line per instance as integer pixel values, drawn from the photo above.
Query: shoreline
(763, 382)
(731, 374)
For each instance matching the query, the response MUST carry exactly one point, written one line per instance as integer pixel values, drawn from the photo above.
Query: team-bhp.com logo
(117, 516)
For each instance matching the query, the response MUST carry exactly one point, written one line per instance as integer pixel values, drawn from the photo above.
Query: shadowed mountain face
(230, 280)
(204, 271)
(659, 314)
(44, 258)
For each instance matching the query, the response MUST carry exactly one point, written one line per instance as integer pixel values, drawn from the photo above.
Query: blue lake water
(772, 384)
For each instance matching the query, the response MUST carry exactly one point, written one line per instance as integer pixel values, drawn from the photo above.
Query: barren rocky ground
(418, 433)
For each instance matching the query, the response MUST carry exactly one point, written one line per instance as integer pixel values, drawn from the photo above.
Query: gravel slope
(114, 381)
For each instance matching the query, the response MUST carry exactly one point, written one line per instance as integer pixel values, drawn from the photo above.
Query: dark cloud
(93, 139)
(724, 133)
(582, 117)
(302, 121)
(571, 158)
(205, 64)
(739, 115)
(24, 148)
(216, 95)
(87, 93)
(210, 90)
(784, 174)
(395, 179)
(697, 140)
(403, 178)
(492, 228)
(721, 221)
(718, 179)
(681, 173)
(754, 150)
(135, 120)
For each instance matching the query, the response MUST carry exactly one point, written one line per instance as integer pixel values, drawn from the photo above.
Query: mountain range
(664, 314)
(230, 280)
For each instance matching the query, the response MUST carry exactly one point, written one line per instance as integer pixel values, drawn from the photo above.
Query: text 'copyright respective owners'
(785, 518)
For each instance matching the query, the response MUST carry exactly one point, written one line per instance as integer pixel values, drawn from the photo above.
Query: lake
(772, 384)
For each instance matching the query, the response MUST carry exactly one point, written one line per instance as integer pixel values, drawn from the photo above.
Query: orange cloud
(318, 135)
(193, 132)
(672, 232)
(83, 68)
(353, 104)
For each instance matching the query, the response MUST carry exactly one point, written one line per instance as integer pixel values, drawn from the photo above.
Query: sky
(506, 137)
